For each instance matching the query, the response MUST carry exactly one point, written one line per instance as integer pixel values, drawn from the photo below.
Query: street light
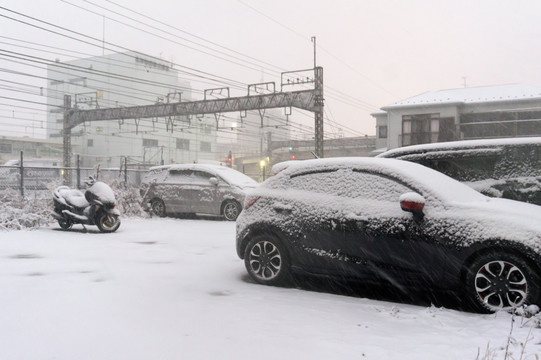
(262, 166)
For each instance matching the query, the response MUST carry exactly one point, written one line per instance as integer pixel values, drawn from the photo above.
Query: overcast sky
(373, 52)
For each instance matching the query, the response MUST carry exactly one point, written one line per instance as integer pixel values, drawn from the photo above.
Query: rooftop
(471, 95)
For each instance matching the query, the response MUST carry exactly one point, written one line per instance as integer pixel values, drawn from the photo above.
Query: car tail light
(250, 200)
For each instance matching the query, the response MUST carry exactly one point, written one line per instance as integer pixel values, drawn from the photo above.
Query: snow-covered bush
(34, 210)
(129, 202)
(18, 213)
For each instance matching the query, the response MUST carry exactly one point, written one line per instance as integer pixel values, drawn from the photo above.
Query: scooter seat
(74, 198)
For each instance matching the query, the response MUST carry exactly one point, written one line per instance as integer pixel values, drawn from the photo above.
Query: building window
(500, 124)
(90, 142)
(183, 144)
(205, 146)
(382, 132)
(150, 143)
(5, 148)
(427, 128)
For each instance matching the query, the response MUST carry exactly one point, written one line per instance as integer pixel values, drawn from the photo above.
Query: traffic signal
(230, 159)
(292, 155)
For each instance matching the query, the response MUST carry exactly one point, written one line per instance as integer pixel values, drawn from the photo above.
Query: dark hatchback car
(506, 167)
(394, 222)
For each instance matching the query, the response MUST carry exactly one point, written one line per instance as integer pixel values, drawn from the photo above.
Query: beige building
(512, 110)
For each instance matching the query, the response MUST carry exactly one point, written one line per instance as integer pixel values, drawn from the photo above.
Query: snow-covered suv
(508, 168)
(195, 188)
(394, 222)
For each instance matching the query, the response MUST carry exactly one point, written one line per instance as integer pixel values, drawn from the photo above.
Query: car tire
(231, 210)
(158, 207)
(267, 261)
(500, 281)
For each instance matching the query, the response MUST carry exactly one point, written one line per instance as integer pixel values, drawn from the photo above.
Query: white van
(508, 168)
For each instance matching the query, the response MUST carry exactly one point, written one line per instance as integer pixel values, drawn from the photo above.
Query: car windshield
(235, 177)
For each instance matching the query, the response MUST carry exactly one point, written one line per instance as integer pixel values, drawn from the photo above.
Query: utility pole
(318, 110)
(314, 41)
(66, 135)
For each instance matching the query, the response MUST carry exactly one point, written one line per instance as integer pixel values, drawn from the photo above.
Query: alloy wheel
(265, 261)
(501, 285)
(231, 211)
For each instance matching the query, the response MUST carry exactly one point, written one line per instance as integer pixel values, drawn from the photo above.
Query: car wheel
(266, 260)
(231, 210)
(498, 281)
(158, 207)
(65, 224)
(108, 223)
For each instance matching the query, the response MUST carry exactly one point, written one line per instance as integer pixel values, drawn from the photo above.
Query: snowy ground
(175, 289)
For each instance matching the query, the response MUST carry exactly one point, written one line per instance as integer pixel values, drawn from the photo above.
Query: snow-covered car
(391, 222)
(195, 189)
(506, 167)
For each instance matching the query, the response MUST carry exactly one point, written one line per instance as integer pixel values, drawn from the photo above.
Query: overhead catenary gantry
(309, 100)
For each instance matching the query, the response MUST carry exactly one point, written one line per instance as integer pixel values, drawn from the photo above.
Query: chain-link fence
(28, 178)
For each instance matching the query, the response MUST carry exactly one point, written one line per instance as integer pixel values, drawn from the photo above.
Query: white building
(248, 135)
(127, 79)
(460, 114)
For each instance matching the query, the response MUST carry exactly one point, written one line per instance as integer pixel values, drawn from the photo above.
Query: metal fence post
(126, 172)
(78, 171)
(21, 168)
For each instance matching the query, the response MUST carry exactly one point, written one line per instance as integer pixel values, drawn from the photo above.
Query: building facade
(122, 80)
(32, 148)
(460, 114)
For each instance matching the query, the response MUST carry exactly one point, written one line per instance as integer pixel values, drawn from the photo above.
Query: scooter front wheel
(108, 223)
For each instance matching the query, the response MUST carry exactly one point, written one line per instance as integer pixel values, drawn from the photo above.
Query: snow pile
(174, 289)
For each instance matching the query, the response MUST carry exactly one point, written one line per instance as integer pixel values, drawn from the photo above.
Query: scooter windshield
(102, 192)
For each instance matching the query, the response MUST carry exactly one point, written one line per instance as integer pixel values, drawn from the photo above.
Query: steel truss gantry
(310, 100)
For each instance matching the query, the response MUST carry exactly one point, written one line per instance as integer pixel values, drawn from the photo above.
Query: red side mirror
(412, 202)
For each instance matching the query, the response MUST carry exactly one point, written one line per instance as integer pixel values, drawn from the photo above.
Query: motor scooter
(97, 206)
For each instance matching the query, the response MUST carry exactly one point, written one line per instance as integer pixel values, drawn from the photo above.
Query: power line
(350, 101)
(98, 40)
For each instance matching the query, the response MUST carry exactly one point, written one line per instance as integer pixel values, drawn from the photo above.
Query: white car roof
(464, 144)
(230, 175)
(440, 185)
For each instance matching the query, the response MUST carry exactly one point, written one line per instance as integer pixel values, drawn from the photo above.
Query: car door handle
(281, 209)
(357, 223)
